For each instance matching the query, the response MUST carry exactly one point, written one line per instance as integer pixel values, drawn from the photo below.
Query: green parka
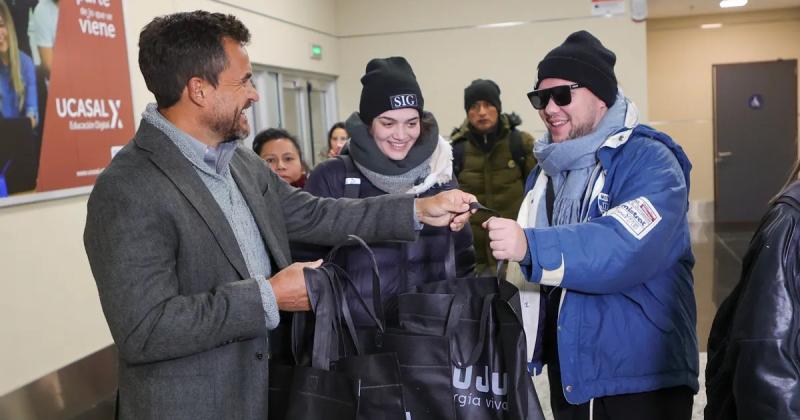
(493, 177)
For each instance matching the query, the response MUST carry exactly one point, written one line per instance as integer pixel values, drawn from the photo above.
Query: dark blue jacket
(402, 265)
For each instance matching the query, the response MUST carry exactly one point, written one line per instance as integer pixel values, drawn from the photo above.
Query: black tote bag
(523, 402)
(314, 391)
(425, 372)
(480, 319)
(343, 380)
(381, 393)
(424, 360)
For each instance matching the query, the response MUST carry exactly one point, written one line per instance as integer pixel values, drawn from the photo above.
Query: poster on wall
(65, 93)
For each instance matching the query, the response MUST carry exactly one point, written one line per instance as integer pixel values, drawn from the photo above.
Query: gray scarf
(392, 176)
(395, 184)
(572, 164)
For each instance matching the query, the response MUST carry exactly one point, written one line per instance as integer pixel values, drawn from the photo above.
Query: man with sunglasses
(491, 159)
(603, 231)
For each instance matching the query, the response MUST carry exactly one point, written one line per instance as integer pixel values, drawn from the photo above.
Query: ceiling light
(732, 3)
(711, 26)
(501, 25)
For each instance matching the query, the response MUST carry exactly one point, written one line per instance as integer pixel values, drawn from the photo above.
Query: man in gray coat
(188, 234)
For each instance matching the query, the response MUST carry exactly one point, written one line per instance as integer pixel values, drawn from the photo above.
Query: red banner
(89, 112)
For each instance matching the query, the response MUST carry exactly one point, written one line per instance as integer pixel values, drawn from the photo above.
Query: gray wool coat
(173, 284)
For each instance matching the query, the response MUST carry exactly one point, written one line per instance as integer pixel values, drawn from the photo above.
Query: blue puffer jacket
(627, 318)
(402, 265)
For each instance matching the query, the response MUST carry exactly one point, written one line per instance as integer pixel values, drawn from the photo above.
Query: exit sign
(316, 52)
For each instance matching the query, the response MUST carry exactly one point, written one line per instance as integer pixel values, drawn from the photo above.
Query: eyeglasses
(562, 95)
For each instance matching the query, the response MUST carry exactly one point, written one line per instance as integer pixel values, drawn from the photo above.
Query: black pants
(663, 404)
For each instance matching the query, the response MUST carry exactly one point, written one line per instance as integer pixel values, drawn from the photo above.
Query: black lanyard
(550, 198)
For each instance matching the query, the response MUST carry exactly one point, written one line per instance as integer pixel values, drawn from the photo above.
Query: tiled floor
(718, 255)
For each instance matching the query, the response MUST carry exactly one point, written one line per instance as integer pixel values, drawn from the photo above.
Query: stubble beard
(580, 131)
(229, 128)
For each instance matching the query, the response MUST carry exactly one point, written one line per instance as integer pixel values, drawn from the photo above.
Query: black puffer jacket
(402, 265)
(754, 355)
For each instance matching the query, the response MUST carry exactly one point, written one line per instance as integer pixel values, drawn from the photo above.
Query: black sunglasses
(561, 94)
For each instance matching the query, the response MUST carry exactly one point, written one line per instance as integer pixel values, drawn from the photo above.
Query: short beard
(229, 129)
(580, 131)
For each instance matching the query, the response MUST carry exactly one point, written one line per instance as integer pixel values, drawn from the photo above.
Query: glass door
(302, 104)
(322, 113)
(295, 111)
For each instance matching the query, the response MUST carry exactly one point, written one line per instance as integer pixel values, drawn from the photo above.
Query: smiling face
(396, 131)
(283, 158)
(233, 95)
(579, 118)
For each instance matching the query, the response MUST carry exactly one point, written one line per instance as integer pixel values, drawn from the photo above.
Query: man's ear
(601, 106)
(195, 89)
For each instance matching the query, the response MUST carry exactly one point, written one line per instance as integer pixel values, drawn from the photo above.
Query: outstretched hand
(506, 239)
(446, 208)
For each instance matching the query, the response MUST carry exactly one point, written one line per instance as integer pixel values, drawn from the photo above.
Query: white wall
(51, 316)
(447, 54)
(272, 42)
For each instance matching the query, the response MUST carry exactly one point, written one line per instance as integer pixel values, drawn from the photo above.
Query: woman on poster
(17, 74)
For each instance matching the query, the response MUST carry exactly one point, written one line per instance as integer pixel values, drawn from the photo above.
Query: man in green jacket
(491, 159)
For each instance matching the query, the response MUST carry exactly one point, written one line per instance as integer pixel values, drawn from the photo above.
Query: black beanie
(582, 59)
(482, 90)
(389, 83)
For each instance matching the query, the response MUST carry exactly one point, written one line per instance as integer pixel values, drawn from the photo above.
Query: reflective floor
(83, 390)
(718, 253)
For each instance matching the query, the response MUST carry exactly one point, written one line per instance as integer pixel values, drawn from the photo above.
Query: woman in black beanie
(394, 148)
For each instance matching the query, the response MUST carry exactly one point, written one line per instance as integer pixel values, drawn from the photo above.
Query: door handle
(721, 156)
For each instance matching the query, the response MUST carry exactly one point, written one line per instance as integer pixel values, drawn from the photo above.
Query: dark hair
(794, 175)
(426, 122)
(174, 48)
(339, 124)
(271, 134)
